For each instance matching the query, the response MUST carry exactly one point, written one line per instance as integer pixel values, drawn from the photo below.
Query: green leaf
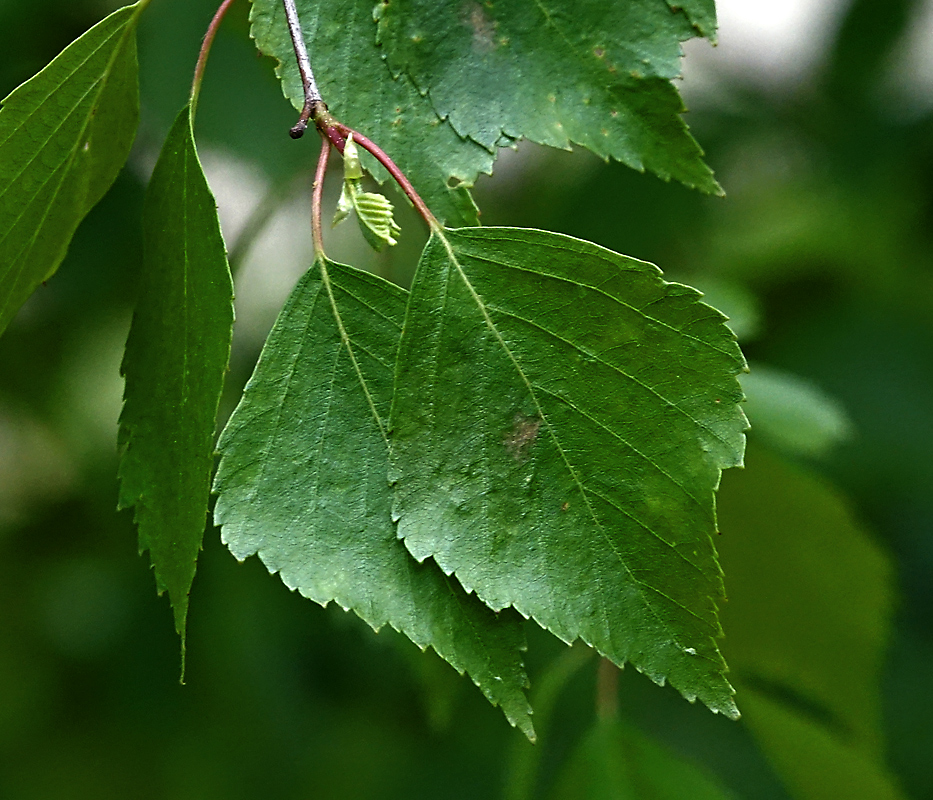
(374, 212)
(175, 362)
(360, 91)
(560, 420)
(816, 761)
(302, 482)
(64, 136)
(792, 413)
(701, 13)
(808, 618)
(617, 762)
(591, 73)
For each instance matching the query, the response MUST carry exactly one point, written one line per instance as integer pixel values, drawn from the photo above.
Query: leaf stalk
(205, 51)
(317, 230)
(332, 129)
(383, 158)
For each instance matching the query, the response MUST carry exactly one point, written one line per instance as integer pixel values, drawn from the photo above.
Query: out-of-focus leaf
(360, 91)
(792, 413)
(560, 420)
(591, 73)
(862, 49)
(175, 362)
(816, 761)
(64, 136)
(807, 620)
(302, 482)
(740, 306)
(617, 762)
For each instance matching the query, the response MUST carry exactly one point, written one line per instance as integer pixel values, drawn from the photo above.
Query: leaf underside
(360, 91)
(589, 72)
(302, 482)
(560, 420)
(175, 362)
(64, 136)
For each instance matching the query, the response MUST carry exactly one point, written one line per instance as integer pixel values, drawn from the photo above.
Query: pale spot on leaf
(521, 438)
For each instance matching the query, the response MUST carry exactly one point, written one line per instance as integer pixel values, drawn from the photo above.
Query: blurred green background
(822, 255)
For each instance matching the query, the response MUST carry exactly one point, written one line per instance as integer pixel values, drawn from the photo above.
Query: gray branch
(312, 95)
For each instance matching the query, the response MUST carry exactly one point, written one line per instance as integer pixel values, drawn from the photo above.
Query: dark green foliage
(805, 642)
(175, 362)
(545, 438)
(303, 482)
(605, 83)
(561, 411)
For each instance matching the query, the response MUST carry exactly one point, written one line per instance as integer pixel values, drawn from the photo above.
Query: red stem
(205, 49)
(382, 157)
(317, 230)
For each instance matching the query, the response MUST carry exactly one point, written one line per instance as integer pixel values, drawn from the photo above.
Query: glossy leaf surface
(64, 136)
(360, 91)
(175, 362)
(302, 482)
(617, 762)
(560, 420)
(591, 73)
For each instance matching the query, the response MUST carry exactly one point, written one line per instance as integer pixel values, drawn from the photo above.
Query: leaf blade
(510, 421)
(175, 362)
(596, 74)
(64, 136)
(615, 760)
(315, 504)
(807, 643)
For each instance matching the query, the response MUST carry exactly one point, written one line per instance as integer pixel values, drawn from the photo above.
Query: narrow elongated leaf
(64, 136)
(617, 762)
(560, 419)
(588, 72)
(302, 482)
(809, 615)
(176, 358)
(359, 89)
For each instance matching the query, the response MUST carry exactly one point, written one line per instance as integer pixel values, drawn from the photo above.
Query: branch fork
(335, 132)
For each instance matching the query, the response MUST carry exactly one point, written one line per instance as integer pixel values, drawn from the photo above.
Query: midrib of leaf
(473, 651)
(632, 378)
(595, 357)
(296, 357)
(345, 339)
(629, 306)
(438, 231)
(548, 20)
(185, 282)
